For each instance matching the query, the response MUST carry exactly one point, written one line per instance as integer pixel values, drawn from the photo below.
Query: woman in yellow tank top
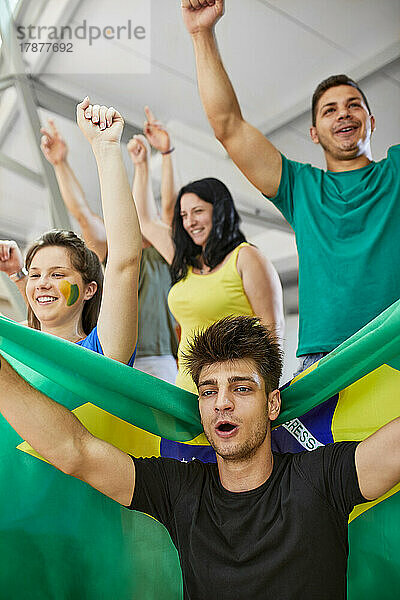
(214, 271)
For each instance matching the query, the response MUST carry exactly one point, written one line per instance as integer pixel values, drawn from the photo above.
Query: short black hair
(234, 338)
(333, 81)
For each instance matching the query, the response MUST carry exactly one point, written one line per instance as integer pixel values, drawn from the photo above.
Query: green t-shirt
(347, 228)
(156, 325)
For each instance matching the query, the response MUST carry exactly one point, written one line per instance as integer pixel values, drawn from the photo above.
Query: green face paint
(70, 292)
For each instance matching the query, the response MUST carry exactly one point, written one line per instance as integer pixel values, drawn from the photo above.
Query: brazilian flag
(60, 539)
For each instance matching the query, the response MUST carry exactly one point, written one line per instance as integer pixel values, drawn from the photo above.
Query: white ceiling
(276, 52)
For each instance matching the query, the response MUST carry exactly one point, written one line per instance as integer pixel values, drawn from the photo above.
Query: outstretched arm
(378, 461)
(92, 227)
(117, 324)
(159, 138)
(11, 263)
(157, 232)
(60, 438)
(263, 289)
(255, 156)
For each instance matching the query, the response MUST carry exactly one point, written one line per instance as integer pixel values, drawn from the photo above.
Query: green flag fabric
(60, 539)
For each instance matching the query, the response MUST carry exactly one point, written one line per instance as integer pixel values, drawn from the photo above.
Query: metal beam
(19, 169)
(26, 96)
(361, 72)
(6, 82)
(65, 106)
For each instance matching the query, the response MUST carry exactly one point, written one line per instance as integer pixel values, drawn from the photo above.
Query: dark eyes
(241, 389)
(35, 275)
(351, 105)
(206, 393)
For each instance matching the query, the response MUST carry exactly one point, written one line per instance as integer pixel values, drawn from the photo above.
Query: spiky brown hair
(233, 338)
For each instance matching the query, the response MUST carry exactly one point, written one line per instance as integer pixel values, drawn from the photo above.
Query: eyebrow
(348, 100)
(56, 267)
(207, 382)
(233, 379)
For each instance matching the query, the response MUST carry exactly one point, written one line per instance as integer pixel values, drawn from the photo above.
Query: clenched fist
(10, 257)
(139, 149)
(201, 15)
(99, 123)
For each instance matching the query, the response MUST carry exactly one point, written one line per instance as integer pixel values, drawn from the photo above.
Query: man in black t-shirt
(255, 525)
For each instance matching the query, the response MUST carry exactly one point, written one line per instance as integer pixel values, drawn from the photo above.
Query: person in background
(214, 271)
(63, 282)
(157, 342)
(346, 219)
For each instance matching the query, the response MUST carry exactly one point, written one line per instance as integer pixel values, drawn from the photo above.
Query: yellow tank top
(199, 300)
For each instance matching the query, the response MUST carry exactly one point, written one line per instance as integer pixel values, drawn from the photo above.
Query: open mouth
(226, 429)
(46, 299)
(346, 130)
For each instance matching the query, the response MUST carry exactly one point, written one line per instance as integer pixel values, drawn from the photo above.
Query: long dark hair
(83, 260)
(225, 233)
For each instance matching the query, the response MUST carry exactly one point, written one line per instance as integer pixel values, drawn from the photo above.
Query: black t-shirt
(284, 540)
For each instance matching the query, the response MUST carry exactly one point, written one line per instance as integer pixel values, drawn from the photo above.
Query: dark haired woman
(215, 272)
(64, 288)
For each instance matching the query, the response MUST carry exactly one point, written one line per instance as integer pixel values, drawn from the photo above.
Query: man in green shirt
(346, 219)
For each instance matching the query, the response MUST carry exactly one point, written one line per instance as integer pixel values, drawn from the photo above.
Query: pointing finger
(150, 117)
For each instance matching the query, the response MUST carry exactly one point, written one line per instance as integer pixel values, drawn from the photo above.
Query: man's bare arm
(255, 156)
(378, 461)
(57, 435)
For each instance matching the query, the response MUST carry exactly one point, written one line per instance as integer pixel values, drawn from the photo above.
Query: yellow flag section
(120, 433)
(364, 407)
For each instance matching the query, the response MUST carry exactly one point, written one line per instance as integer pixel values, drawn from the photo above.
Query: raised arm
(92, 227)
(60, 438)
(378, 461)
(263, 289)
(117, 324)
(159, 138)
(154, 230)
(255, 156)
(12, 263)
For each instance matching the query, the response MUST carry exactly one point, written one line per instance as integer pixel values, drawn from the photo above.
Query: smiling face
(196, 217)
(234, 409)
(343, 125)
(55, 290)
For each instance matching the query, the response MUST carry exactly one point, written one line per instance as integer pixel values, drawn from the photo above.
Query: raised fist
(201, 15)
(10, 257)
(139, 149)
(53, 145)
(99, 123)
(155, 132)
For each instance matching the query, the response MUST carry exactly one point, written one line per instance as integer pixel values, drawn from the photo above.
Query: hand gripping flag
(61, 539)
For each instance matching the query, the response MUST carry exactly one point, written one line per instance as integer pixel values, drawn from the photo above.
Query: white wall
(290, 363)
